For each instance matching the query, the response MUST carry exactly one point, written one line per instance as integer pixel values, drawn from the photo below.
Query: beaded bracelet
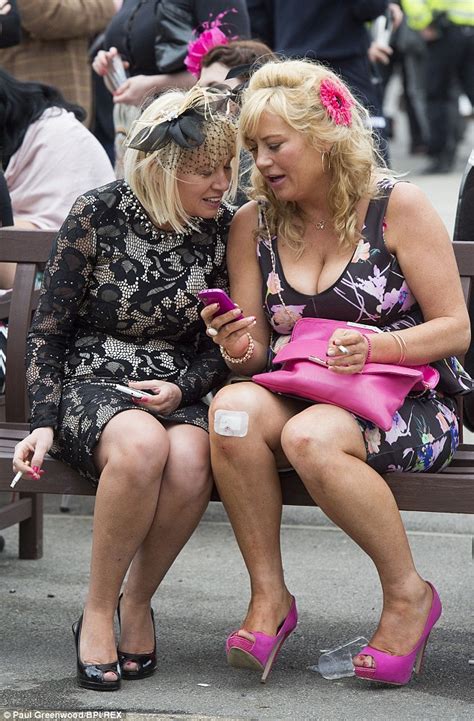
(247, 355)
(369, 349)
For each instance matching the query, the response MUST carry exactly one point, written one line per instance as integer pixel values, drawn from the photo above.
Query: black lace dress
(119, 303)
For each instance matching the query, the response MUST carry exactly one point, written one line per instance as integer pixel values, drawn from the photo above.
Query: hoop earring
(325, 158)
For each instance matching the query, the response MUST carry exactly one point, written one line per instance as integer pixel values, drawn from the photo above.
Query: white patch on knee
(231, 423)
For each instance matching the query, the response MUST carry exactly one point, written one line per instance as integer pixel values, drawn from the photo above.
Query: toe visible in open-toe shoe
(92, 675)
(261, 653)
(145, 662)
(398, 670)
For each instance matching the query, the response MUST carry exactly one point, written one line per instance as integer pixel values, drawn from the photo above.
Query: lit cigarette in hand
(16, 479)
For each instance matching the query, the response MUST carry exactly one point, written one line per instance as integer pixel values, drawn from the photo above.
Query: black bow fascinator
(185, 129)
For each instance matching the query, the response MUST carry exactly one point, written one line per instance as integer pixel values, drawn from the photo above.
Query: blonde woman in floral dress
(331, 235)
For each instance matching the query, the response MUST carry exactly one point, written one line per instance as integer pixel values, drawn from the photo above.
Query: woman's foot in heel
(137, 632)
(394, 663)
(258, 650)
(95, 674)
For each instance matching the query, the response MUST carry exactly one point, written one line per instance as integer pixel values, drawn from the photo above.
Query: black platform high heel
(146, 662)
(91, 675)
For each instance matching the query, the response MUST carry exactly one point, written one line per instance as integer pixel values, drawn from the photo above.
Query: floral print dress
(372, 290)
(119, 303)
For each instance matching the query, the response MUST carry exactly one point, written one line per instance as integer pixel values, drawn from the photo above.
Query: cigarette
(16, 479)
(343, 349)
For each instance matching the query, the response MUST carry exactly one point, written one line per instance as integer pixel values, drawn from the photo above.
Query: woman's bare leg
(245, 472)
(184, 495)
(131, 455)
(325, 446)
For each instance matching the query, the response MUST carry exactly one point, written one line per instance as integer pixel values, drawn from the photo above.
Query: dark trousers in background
(367, 87)
(450, 70)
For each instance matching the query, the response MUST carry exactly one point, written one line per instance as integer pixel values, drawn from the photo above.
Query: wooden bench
(451, 491)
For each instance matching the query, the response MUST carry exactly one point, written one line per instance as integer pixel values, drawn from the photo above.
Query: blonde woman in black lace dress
(119, 306)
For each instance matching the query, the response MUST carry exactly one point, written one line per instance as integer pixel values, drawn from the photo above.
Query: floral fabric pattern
(119, 303)
(372, 290)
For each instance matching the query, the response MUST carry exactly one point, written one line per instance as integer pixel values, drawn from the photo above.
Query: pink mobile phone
(216, 295)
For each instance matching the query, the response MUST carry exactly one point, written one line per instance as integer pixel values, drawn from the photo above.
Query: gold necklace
(320, 225)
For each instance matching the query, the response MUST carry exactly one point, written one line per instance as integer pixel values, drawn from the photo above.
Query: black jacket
(153, 34)
(321, 29)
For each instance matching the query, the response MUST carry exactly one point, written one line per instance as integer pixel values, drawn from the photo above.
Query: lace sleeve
(65, 283)
(207, 373)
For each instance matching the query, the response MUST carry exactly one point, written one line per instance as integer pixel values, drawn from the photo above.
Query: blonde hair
(291, 90)
(153, 175)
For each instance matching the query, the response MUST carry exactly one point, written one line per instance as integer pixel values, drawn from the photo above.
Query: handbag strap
(287, 313)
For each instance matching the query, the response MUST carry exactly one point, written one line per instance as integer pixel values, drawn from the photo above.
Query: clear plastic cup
(337, 662)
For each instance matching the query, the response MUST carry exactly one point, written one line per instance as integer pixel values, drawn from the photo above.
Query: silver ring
(343, 349)
(211, 332)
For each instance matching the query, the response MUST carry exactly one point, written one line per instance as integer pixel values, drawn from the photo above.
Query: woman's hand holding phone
(161, 396)
(225, 322)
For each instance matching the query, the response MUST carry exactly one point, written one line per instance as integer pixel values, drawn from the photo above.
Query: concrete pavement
(204, 597)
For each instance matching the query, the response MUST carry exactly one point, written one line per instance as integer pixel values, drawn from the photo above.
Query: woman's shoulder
(407, 203)
(104, 192)
(248, 214)
(402, 193)
(232, 214)
(102, 198)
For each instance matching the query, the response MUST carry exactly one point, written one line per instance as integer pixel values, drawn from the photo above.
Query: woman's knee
(138, 450)
(237, 397)
(188, 471)
(317, 435)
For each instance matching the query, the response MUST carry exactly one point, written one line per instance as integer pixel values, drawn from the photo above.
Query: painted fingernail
(236, 311)
(35, 468)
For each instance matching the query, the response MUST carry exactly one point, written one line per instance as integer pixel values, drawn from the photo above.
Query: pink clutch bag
(375, 393)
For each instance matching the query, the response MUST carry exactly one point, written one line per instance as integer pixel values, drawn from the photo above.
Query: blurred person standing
(447, 26)
(151, 37)
(331, 31)
(406, 52)
(53, 48)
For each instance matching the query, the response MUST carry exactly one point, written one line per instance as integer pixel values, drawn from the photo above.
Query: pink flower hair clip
(210, 36)
(337, 102)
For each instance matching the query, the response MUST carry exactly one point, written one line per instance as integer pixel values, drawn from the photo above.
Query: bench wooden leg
(31, 529)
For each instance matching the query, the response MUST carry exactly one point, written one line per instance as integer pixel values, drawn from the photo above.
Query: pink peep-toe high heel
(397, 670)
(261, 653)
